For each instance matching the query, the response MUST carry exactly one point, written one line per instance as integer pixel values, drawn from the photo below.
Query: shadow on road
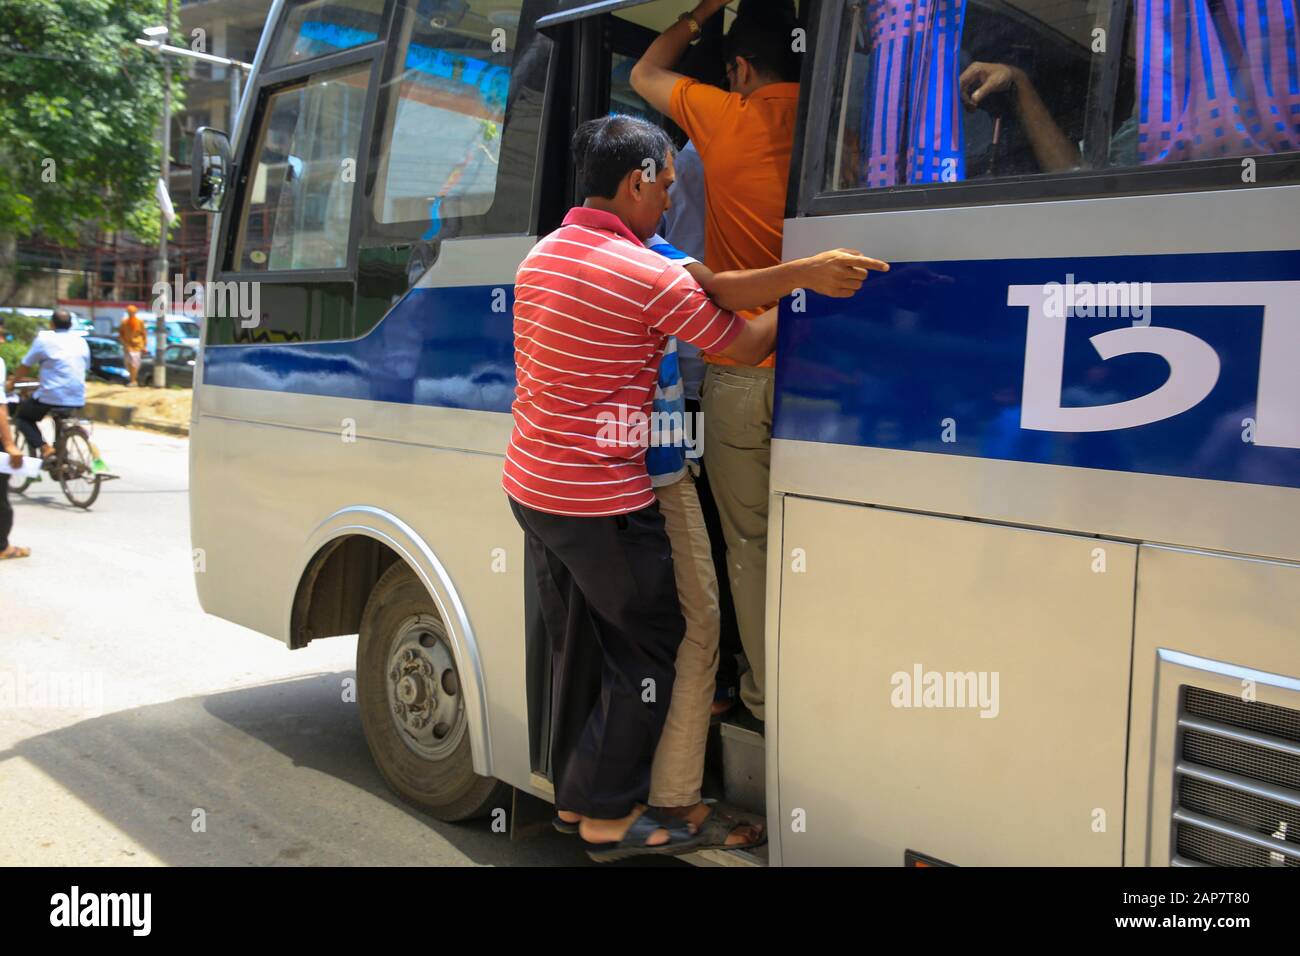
(282, 775)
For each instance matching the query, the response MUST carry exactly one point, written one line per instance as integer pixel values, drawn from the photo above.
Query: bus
(1034, 546)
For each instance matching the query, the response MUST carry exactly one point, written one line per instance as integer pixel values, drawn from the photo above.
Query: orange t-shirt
(132, 334)
(745, 145)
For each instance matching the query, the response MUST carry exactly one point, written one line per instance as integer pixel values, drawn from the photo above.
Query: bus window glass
(298, 201)
(442, 136)
(936, 91)
(624, 99)
(313, 28)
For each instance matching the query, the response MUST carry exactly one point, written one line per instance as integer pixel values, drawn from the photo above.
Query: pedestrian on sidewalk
(134, 341)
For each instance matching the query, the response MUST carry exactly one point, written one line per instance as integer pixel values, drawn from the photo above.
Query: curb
(126, 415)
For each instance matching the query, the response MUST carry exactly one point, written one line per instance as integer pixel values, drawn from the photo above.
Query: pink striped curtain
(912, 104)
(1216, 78)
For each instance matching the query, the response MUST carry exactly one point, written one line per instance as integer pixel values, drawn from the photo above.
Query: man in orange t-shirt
(744, 138)
(134, 341)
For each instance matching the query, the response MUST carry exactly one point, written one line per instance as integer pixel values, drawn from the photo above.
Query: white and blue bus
(1034, 579)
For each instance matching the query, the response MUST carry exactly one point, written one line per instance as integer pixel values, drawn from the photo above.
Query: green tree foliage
(11, 353)
(23, 328)
(80, 106)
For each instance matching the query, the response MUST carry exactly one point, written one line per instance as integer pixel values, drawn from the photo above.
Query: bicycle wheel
(21, 442)
(76, 467)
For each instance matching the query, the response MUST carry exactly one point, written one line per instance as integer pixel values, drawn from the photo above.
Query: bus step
(754, 857)
(743, 777)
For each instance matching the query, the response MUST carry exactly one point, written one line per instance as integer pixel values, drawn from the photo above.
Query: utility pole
(153, 40)
(160, 318)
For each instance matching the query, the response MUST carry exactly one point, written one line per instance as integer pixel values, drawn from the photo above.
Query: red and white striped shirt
(593, 311)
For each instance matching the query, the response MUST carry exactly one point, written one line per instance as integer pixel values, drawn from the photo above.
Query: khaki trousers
(737, 405)
(678, 768)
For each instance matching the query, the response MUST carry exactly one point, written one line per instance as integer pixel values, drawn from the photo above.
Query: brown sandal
(14, 551)
(720, 824)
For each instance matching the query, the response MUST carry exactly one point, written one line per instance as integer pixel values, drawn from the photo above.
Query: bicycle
(73, 464)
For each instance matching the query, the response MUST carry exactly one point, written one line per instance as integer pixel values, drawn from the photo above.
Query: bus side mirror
(210, 169)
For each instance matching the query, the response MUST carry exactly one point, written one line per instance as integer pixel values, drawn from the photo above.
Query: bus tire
(411, 712)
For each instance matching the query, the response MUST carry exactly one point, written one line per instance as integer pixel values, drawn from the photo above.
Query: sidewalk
(160, 409)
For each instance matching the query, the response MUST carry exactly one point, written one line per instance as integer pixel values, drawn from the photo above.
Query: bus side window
(442, 134)
(1007, 89)
(298, 202)
(928, 88)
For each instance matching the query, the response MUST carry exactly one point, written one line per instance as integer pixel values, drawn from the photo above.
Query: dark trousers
(6, 513)
(30, 411)
(609, 600)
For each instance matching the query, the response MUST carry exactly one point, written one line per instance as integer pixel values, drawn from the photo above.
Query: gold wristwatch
(695, 25)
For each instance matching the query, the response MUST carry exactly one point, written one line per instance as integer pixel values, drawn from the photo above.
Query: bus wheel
(412, 706)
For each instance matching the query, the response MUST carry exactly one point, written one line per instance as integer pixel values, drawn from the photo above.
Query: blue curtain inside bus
(911, 111)
(1216, 78)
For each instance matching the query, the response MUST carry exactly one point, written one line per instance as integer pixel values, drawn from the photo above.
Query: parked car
(181, 329)
(108, 362)
(180, 364)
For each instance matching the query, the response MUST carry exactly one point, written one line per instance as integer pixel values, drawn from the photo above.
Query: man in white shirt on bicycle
(62, 357)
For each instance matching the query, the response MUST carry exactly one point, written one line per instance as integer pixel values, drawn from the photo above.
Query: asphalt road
(125, 710)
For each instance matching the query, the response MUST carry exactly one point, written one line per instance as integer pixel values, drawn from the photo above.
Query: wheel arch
(343, 558)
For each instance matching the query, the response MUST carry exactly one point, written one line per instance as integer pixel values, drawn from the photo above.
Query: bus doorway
(604, 48)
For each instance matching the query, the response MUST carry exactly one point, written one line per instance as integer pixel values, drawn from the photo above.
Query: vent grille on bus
(1238, 782)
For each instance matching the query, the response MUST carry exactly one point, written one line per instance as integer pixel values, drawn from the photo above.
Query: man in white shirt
(62, 358)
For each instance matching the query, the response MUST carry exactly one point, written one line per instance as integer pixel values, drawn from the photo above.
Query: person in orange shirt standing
(744, 138)
(132, 334)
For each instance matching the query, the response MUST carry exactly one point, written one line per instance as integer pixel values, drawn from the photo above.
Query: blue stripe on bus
(930, 351)
(922, 347)
(442, 347)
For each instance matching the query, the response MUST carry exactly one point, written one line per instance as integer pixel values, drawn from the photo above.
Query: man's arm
(652, 76)
(837, 272)
(1052, 148)
(755, 341)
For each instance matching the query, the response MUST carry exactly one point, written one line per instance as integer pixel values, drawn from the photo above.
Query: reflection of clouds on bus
(484, 388)
(295, 370)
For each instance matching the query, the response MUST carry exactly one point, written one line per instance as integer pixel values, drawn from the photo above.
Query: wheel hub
(424, 690)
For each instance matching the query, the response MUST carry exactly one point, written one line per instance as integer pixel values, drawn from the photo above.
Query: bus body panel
(929, 687)
(913, 404)
(268, 486)
(914, 386)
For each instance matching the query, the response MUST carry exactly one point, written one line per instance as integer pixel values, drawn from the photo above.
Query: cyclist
(61, 357)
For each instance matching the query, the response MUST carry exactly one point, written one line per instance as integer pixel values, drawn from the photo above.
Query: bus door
(294, 232)
(609, 39)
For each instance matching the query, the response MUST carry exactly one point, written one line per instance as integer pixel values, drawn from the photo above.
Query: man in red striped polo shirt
(593, 309)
